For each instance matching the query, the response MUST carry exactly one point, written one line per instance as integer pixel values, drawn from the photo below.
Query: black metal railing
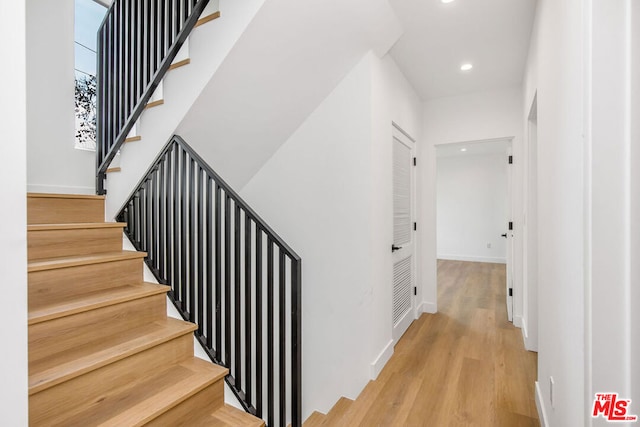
(137, 42)
(229, 273)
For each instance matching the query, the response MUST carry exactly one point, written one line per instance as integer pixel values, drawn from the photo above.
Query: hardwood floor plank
(464, 366)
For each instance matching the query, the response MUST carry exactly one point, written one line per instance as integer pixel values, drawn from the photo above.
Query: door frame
(530, 232)
(511, 203)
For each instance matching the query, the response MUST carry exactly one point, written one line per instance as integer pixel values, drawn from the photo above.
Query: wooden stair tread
(227, 416)
(51, 309)
(337, 413)
(61, 367)
(75, 226)
(72, 261)
(316, 419)
(66, 196)
(149, 397)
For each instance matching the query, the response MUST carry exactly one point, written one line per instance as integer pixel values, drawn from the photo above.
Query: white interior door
(509, 235)
(403, 247)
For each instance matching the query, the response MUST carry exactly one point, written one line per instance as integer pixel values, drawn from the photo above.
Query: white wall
(53, 164)
(327, 192)
(610, 189)
(556, 70)
(394, 100)
(472, 117)
(13, 249)
(472, 207)
(634, 158)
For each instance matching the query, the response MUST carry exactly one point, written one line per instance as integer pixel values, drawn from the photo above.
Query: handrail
(229, 272)
(137, 41)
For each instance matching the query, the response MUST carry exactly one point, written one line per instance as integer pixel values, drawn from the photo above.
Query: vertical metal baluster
(169, 219)
(218, 241)
(200, 281)
(147, 45)
(170, 22)
(162, 197)
(259, 361)
(136, 213)
(100, 93)
(282, 336)
(248, 331)
(296, 342)
(177, 21)
(192, 242)
(126, 101)
(183, 231)
(152, 223)
(159, 33)
(121, 67)
(237, 308)
(176, 223)
(135, 4)
(227, 281)
(111, 110)
(148, 225)
(270, 338)
(209, 220)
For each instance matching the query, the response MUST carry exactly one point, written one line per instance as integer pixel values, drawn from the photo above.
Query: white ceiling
(475, 148)
(491, 34)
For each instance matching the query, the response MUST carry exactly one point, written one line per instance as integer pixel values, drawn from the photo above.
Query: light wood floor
(464, 366)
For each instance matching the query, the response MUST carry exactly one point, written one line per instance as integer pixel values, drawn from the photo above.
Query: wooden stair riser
(62, 283)
(204, 402)
(58, 335)
(44, 244)
(63, 400)
(61, 210)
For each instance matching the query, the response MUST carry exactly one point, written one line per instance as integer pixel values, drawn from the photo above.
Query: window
(88, 17)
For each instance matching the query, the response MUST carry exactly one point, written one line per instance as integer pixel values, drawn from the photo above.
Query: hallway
(465, 365)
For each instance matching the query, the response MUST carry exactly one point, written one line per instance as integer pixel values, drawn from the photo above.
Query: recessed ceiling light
(466, 67)
(446, 1)
(463, 149)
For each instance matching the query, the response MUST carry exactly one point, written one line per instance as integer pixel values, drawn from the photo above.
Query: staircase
(101, 348)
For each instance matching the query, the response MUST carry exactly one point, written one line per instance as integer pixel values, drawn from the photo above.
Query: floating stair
(102, 350)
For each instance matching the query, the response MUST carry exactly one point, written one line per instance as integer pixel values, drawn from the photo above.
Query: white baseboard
(517, 321)
(427, 307)
(381, 360)
(472, 258)
(57, 189)
(542, 413)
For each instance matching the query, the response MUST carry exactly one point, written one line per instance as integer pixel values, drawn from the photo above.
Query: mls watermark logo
(611, 408)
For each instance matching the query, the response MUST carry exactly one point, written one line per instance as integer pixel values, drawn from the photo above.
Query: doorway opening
(474, 209)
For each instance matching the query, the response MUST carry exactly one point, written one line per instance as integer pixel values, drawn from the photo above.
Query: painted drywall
(556, 71)
(314, 193)
(13, 218)
(472, 117)
(53, 164)
(394, 100)
(472, 207)
(283, 66)
(609, 190)
(634, 158)
(209, 45)
(327, 192)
